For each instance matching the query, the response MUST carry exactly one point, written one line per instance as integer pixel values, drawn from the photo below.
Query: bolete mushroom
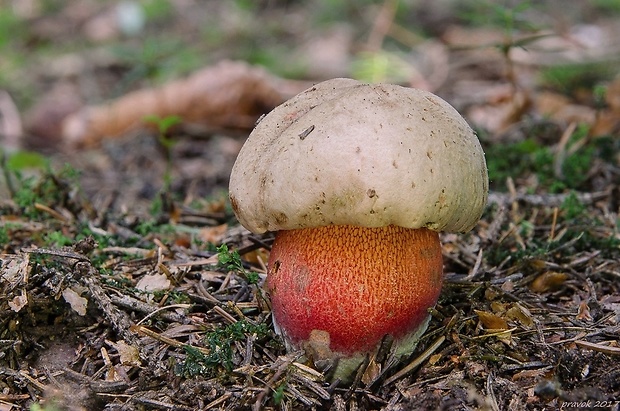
(357, 179)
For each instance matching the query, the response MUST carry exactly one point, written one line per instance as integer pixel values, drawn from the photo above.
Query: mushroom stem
(341, 289)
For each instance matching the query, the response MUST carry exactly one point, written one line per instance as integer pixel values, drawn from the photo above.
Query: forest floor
(126, 282)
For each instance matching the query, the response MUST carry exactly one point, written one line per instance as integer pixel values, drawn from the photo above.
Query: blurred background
(522, 73)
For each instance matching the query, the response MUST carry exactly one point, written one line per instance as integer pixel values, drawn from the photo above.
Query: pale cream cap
(345, 152)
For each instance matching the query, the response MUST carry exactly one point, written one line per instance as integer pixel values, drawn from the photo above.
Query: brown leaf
(491, 321)
(521, 314)
(583, 312)
(153, 282)
(371, 372)
(529, 374)
(214, 234)
(612, 96)
(606, 122)
(78, 303)
(228, 95)
(498, 307)
(548, 281)
(257, 257)
(19, 301)
(129, 355)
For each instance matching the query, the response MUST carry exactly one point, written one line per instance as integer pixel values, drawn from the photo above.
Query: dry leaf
(153, 282)
(18, 302)
(213, 235)
(583, 312)
(15, 270)
(501, 109)
(77, 303)
(607, 122)
(612, 96)
(228, 95)
(498, 308)
(508, 286)
(317, 346)
(129, 355)
(257, 256)
(600, 347)
(372, 372)
(491, 294)
(43, 121)
(434, 359)
(549, 103)
(521, 314)
(491, 321)
(529, 374)
(548, 281)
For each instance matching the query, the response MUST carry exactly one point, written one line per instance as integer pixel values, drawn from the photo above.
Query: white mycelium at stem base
(356, 180)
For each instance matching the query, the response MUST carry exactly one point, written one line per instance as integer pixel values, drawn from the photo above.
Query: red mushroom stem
(351, 286)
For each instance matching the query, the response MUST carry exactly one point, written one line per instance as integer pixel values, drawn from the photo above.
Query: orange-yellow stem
(353, 284)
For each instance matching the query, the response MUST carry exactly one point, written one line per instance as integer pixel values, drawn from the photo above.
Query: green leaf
(21, 160)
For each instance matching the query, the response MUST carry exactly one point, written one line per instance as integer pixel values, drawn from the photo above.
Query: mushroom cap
(371, 155)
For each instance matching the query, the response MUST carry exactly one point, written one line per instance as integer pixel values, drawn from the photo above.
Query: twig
(139, 329)
(607, 349)
(417, 362)
(159, 404)
(476, 267)
(549, 200)
(494, 405)
(167, 307)
(119, 320)
(218, 401)
(269, 384)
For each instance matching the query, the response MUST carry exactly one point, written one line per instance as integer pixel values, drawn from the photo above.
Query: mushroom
(357, 180)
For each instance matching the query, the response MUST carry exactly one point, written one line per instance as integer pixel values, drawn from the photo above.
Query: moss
(528, 158)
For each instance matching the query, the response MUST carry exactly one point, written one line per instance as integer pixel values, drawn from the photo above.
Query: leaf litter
(117, 296)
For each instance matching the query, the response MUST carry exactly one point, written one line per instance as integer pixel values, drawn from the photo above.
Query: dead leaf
(501, 109)
(607, 122)
(213, 235)
(491, 294)
(508, 286)
(15, 270)
(549, 102)
(43, 121)
(612, 96)
(153, 282)
(607, 349)
(583, 312)
(434, 359)
(257, 257)
(498, 307)
(229, 95)
(129, 355)
(491, 321)
(521, 314)
(548, 281)
(77, 303)
(371, 372)
(529, 374)
(6, 407)
(317, 346)
(19, 301)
